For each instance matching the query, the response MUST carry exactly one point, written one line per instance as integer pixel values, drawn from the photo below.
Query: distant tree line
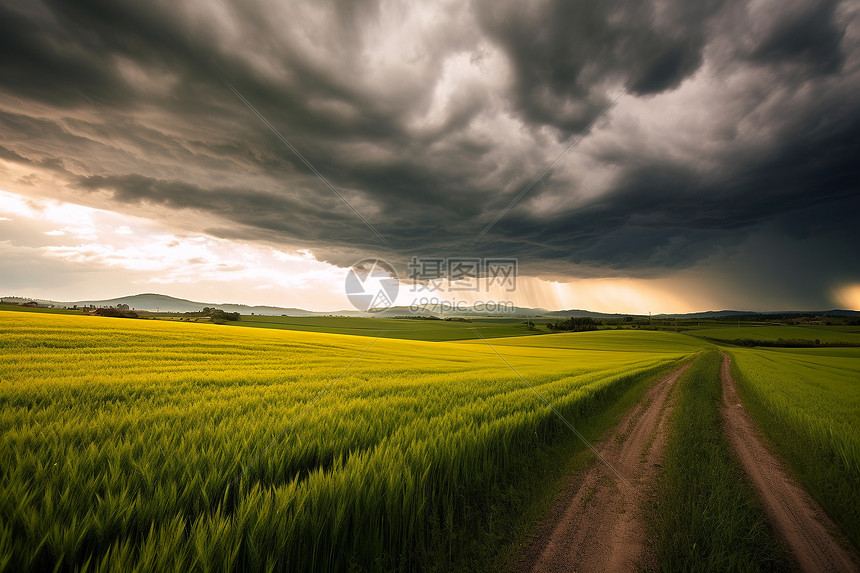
(786, 343)
(574, 324)
(114, 312)
(432, 317)
(216, 314)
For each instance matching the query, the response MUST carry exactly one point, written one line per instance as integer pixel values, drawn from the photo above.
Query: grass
(646, 342)
(807, 403)
(707, 517)
(825, 334)
(139, 445)
(405, 329)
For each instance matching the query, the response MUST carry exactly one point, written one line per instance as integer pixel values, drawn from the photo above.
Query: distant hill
(464, 311)
(709, 314)
(165, 303)
(749, 313)
(21, 300)
(578, 313)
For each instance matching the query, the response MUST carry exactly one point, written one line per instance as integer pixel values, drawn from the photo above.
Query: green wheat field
(140, 445)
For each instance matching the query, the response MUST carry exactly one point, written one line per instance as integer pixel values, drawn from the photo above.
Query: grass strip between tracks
(706, 516)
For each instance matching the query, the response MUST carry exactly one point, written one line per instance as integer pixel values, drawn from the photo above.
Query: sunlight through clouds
(848, 296)
(62, 251)
(168, 260)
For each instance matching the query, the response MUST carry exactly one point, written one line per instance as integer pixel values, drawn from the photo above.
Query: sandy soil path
(596, 523)
(792, 511)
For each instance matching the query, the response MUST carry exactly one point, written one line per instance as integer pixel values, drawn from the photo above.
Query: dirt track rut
(596, 524)
(792, 511)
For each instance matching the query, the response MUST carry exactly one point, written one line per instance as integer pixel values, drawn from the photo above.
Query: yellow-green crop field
(823, 334)
(807, 402)
(147, 445)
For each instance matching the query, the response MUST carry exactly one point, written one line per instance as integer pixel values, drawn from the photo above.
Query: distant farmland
(847, 335)
(403, 328)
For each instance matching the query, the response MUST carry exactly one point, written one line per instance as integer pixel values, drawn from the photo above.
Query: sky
(634, 157)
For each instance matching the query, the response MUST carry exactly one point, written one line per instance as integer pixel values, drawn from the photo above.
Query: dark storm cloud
(561, 50)
(430, 125)
(808, 33)
(264, 212)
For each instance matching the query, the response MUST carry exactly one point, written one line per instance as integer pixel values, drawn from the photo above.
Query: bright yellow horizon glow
(611, 295)
(848, 296)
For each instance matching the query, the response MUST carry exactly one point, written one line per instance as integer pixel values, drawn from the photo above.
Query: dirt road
(596, 524)
(793, 513)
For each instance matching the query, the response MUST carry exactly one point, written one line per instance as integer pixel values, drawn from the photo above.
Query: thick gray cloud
(741, 120)
(561, 50)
